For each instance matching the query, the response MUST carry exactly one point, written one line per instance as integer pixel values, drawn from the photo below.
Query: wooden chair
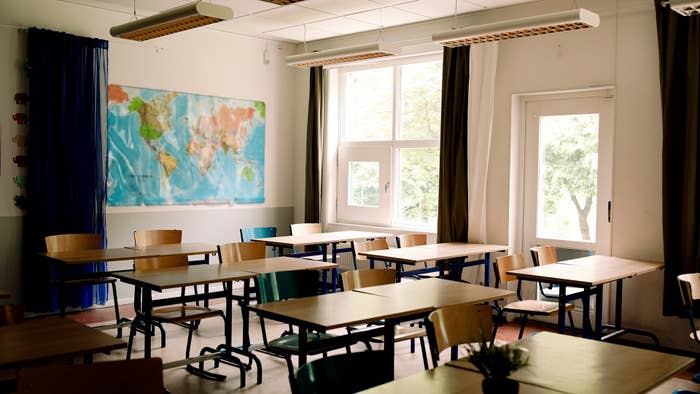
(343, 373)
(176, 314)
(543, 255)
(11, 314)
(236, 252)
(305, 229)
(248, 233)
(689, 285)
(278, 286)
(111, 377)
(416, 239)
(377, 277)
(365, 246)
(455, 325)
(82, 241)
(525, 308)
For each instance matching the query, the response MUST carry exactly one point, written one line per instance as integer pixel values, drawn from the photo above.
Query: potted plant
(496, 363)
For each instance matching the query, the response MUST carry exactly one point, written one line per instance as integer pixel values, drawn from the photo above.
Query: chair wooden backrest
(144, 375)
(73, 242)
(456, 325)
(504, 264)
(277, 286)
(356, 279)
(690, 288)
(406, 240)
(11, 314)
(347, 373)
(240, 251)
(305, 228)
(158, 237)
(365, 246)
(248, 233)
(543, 255)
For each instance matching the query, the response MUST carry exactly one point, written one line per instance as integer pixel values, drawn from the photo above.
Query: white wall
(202, 61)
(621, 52)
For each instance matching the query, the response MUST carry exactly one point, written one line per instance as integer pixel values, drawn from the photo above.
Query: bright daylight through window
(389, 144)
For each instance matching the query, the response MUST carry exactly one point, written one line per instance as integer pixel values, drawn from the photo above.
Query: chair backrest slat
(356, 279)
(458, 324)
(347, 373)
(690, 288)
(305, 228)
(158, 237)
(543, 255)
(277, 286)
(504, 264)
(407, 240)
(366, 246)
(240, 251)
(248, 233)
(73, 242)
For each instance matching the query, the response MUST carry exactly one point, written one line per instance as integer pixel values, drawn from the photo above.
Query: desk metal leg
(303, 345)
(334, 251)
(586, 301)
(147, 321)
(389, 344)
(598, 312)
(619, 330)
(487, 269)
(561, 315)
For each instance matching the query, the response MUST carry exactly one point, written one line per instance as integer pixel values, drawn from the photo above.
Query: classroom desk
(66, 259)
(442, 251)
(333, 238)
(591, 273)
(392, 303)
(444, 379)
(169, 278)
(42, 340)
(576, 365)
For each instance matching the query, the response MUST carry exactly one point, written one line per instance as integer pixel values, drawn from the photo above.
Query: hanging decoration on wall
(167, 148)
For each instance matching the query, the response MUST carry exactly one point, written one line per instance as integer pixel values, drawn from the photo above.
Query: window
(388, 151)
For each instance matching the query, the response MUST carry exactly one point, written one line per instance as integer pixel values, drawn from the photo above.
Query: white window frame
(385, 215)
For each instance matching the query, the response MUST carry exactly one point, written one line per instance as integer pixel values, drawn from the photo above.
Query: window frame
(382, 216)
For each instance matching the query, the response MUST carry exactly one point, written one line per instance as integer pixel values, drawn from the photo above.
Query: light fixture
(282, 2)
(343, 55)
(174, 20)
(516, 28)
(684, 7)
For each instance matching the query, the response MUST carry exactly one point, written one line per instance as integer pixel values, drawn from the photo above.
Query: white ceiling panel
(297, 34)
(439, 8)
(387, 17)
(294, 16)
(342, 26)
(339, 7)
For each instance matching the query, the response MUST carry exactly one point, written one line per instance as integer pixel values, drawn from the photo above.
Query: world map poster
(166, 148)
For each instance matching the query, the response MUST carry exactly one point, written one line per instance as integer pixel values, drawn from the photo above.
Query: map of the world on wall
(176, 148)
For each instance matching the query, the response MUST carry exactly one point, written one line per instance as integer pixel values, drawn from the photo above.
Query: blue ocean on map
(167, 148)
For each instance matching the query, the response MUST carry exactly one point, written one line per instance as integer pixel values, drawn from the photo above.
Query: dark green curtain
(314, 141)
(679, 61)
(66, 183)
(452, 195)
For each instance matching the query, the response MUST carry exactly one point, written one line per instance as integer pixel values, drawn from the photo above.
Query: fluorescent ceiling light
(282, 2)
(516, 28)
(343, 55)
(685, 7)
(174, 20)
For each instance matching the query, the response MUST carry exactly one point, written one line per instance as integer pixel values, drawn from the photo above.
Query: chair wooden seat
(184, 313)
(535, 307)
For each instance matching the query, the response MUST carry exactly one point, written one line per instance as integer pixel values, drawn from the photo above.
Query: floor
(177, 380)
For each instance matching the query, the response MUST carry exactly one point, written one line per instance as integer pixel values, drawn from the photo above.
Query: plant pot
(499, 386)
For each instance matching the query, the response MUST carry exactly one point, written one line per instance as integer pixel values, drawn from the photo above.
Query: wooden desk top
(442, 251)
(40, 340)
(320, 238)
(175, 277)
(5, 294)
(437, 293)
(129, 253)
(283, 263)
(329, 311)
(443, 379)
(576, 365)
(588, 271)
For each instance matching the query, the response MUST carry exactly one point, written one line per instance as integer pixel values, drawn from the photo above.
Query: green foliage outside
(570, 165)
(419, 185)
(364, 184)
(421, 95)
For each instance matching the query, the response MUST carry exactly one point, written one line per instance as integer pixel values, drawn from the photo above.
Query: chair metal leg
(522, 326)
(132, 333)
(424, 353)
(571, 321)
(117, 317)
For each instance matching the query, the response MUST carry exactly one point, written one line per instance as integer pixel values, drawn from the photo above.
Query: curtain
(314, 147)
(66, 184)
(453, 190)
(679, 61)
(453, 193)
(482, 88)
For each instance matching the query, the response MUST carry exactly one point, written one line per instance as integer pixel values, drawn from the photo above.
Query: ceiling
(311, 19)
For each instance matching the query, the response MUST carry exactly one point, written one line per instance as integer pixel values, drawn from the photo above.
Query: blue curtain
(66, 184)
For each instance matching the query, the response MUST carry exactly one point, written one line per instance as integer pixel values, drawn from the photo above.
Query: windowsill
(394, 230)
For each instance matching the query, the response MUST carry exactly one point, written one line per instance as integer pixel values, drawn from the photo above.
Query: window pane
(421, 92)
(363, 183)
(567, 179)
(418, 197)
(368, 104)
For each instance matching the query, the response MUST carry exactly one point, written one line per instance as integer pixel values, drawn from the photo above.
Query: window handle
(386, 187)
